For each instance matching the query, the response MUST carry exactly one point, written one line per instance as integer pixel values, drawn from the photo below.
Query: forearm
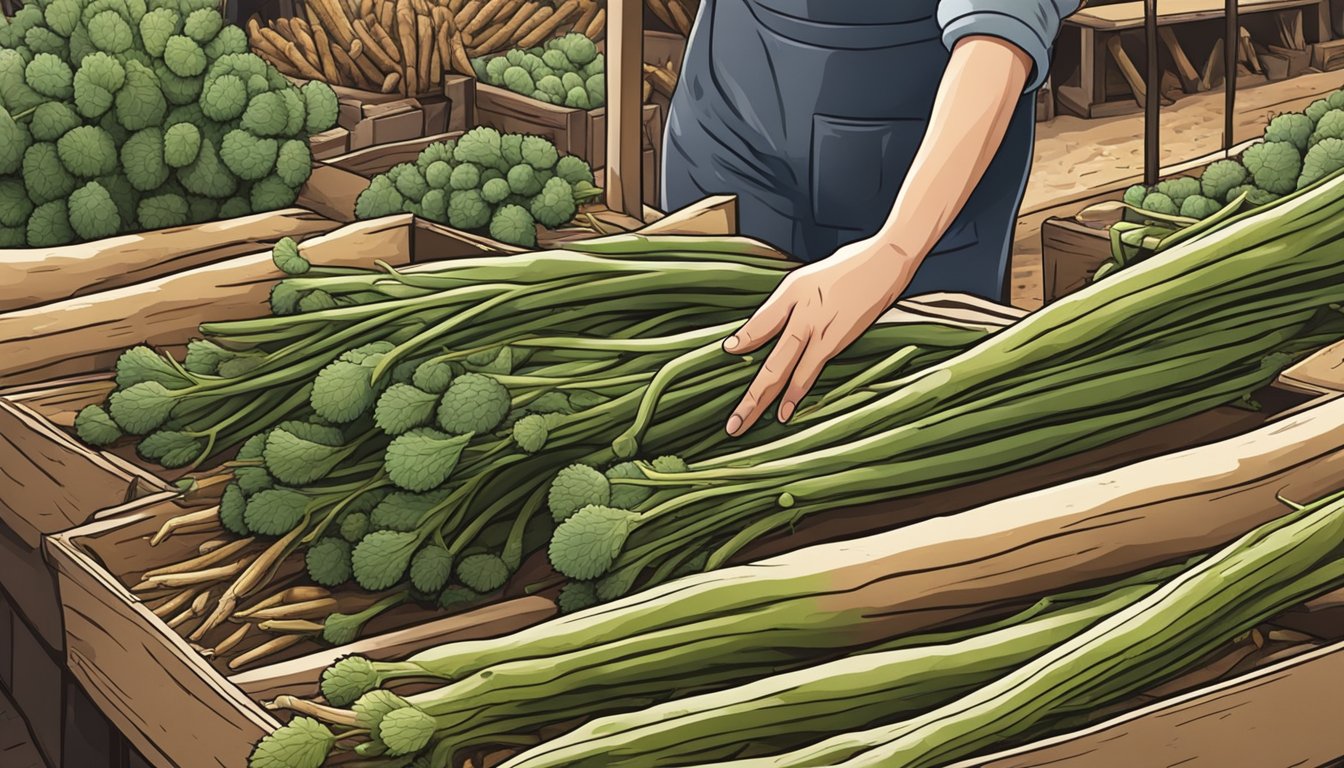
(976, 100)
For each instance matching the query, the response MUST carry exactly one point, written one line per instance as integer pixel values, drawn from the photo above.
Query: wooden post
(1231, 43)
(625, 56)
(1152, 102)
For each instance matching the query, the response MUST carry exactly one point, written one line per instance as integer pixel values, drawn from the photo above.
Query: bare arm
(822, 308)
(976, 99)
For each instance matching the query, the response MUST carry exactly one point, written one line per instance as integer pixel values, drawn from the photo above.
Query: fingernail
(785, 411)
(730, 343)
(734, 424)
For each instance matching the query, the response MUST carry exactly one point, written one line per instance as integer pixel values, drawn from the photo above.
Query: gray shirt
(1029, 24)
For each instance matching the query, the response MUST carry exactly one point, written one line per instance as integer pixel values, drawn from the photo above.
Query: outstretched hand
(816, 312)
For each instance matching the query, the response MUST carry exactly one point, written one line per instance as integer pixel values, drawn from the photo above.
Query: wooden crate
(180, 711)
(369, 118)
(1071, 253)
(581, 132)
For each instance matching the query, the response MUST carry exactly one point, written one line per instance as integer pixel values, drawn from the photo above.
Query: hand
(816, 312)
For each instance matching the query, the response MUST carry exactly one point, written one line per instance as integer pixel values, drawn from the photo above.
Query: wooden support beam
(625, 77)
(1212, 73)
(1185, 70)
(1127, 68)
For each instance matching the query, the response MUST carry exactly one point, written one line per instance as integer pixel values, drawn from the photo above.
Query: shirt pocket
(857, 166)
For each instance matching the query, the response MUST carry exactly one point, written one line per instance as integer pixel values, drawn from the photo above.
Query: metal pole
(1152, 107)
(625, 56)
(1231, 44)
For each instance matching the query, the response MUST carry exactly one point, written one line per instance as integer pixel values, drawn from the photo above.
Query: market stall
(427, 469)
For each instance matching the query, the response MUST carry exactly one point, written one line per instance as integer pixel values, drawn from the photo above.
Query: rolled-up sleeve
(1028, 24)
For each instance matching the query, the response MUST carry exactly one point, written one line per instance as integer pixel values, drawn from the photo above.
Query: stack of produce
(405, 46)
(118, 116)
(678, 15)
(500, 185)
(1299, 149)
(567, 71)
(401, 429)
(913, 702)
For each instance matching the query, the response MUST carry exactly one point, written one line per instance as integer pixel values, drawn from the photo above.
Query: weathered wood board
(35, 276)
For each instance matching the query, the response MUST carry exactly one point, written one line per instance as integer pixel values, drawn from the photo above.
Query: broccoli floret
(431, 568)
(14, 142)
(556, 60)
(1199, 207)
(14, 203)
(45, 178)
(1258, 197)
(201, 209)
(1330, 126)
(572, 80)
(480, 146)
(1336, 99)
(513, 224)
(184, 56)
(1158, 202)
(50, 122)
(539, 153)
(181, 144)
(465, 176)
(142, 160)
(328, 561)
(434, 206)
(576, 487)
(162, 211)
(1220, 177)
(125, 196)
(235, 207)
(576, 47)
(224, 98)
(1274, 165)
(229, 40)
(321, 107)
(271, 194)
(577, 98)
(99, 77)
(380, 199)
(110, 33)
(439, 151)
(140, 102)
(50, 76)
(554, 205)
(87, 151)
(483, 572)
(438, 174)
(473, 403)
(266, 114)
(179, 90)
(597, 89)
(1322, 160)
(1134, 195)
(410, 182)
(50, 225)
(467, 210)
(1239, 190)
(494, 191)
(551, 86)
(586, 544)
(294, 163)
(523, 180)
(207, 176)
(1316, 109)
(249, 157)
(1179, 188)
(494, 70)
(93, 215)
(62, 16)
(202, 25)
(1291, 127)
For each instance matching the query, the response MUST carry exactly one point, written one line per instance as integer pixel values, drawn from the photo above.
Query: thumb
(764, 325)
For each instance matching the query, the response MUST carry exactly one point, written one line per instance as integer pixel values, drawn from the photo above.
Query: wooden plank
(1213, 71)
(160, 693)
(371, 161)
(625, 57)
(1127, 68)
(16, 744)
(1280, 716)
(33, 276)
(1323, 371)
(77, 336)
(1185, 70)
(572, 131)
(334, 191)
(51, 482)
(712, 216)
(1129, 15)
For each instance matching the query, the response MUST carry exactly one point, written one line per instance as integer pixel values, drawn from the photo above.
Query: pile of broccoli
(124, 115)
(567, 71)
(503, 185)
(1299, 149)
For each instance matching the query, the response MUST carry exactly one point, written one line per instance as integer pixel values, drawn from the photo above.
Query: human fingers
(810, 365)
(765, 387)
(763, 325)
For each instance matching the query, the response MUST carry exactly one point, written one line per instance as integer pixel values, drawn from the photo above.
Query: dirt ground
(1077, 159)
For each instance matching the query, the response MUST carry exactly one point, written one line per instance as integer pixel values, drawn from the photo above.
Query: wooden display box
(369, 118)
(581, 132)
(1071, 253)
(182, 711)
